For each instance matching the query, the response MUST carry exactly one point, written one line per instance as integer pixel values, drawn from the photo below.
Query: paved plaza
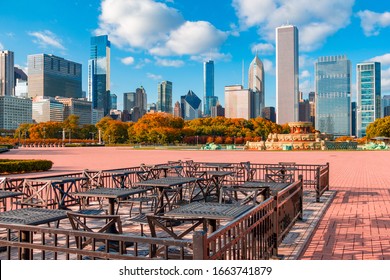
(355, 224)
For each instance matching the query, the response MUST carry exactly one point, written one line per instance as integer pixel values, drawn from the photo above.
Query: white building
(14, 111)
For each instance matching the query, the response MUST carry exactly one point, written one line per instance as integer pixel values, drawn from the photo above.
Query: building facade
(14, 111)
(135, 103)
(47, 109)
(190, 106)
(99, 73)
(269, 113)
(209, 99)
(7, 74)
(217, 111)
(256, 84)
(238, 102)
(52, 76)
(287, 74)
(368, 86)
(177, 110)
(114, 101)
(79, 107)
(333, 95)
(164, 97)
(385, 105)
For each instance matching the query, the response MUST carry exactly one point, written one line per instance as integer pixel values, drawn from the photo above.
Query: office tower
(99, 73)
(141, 100)
(177, 110)
(50, 75)
(353, 118)
(79, 107)
(333, 95)
(287, 73)
(256, 84)
(47, 109)
(312, 102)
(21, 88)
(135, 103)
(114, 101)
(152, 107)
(164, 98)
(128, 101)
(14, 111)
(269, 113)
(385, 104)
(238, 102)
(191, 106)
(208, 82)
(217, 111)
(368, 85)
(304, 110)
(7, 80)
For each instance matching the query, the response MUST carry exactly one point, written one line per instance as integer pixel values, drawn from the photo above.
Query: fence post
(327, 177)
(300, 178)
(199, 245)
(318, 183)
(276, 228)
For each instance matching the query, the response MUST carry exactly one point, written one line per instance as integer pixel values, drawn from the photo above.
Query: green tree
(380, 127)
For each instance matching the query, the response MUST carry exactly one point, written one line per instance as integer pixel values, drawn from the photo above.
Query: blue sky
(168, 40)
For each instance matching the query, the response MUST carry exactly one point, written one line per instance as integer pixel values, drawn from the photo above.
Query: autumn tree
(380, 127)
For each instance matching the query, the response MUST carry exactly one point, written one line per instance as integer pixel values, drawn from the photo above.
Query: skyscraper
(114, 101)
(99, 73)
(7, 80)
(385, 105)
(50, 75)
(256, 84)
(164, 103)
(238, 102)
(135, 103)
(287, 72)
(208, 81)
(368, 85)
(333, 95)
(190, 106)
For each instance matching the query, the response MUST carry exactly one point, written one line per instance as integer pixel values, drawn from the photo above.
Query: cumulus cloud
(306, 61)
(304, 74)
(169, 62)
(383, 59)
(47, 39)
(385, 80)
(153, 26)
(306, 86)
(127, 60)
(269, 67)
(263, 49)
(372, 22)
(315, 21)
(212, 55)
(154, 76)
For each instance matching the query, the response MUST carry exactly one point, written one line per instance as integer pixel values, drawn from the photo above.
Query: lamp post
(93, 135)
(44, 135)
(197, 140)
(69, 135)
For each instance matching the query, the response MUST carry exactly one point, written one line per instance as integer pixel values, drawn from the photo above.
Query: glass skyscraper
(333, 95)
(164, 103)
(99, 73)
(256, 84)
(368, 85)
(208, 79)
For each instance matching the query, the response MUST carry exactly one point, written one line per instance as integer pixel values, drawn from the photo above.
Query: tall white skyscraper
(256, 85)
(287, 74)
(7, 82)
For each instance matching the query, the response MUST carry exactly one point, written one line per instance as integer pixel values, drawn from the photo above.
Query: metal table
(155, 171)
(273, 187)
(210, 211)
(62, 186)
(215, 181)
(121, 177)
(217, 165)
(7, 194)
(165, 185)
(31, 216)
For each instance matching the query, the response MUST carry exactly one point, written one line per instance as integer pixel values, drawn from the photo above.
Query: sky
(156, 40)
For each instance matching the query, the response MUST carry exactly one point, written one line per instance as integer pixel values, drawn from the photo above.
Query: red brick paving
(355, 226)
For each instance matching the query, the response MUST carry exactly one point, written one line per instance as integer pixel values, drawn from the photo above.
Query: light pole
(93, 135)
(44, 135)
(197, 140)
(69, 135)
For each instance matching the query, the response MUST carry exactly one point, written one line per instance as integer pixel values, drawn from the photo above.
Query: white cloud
(47, 39)
(372, 22)
(269, 67)
(169, 62)
(154, 76)
(212, 55)
(383, 59)
(305, 74)
(127, 60)
(315, 21)
(142, 62)
(385, 80)
(153, 26)
(306, 61)
(306, 86)
(263, 49)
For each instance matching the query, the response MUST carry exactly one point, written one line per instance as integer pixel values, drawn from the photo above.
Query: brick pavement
(355, 226)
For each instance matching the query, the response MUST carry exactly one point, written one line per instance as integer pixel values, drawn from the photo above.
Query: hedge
(23, 166)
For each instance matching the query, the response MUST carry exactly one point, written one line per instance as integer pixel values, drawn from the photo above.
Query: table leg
(25, 238)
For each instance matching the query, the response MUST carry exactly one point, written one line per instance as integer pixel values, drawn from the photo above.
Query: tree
(380, 127)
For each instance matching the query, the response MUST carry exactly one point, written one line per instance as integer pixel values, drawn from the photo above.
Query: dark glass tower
(208, 76)
(99, 73)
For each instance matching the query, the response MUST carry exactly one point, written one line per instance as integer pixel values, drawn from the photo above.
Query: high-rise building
(14, 111)
(7, 80)
(177, 110)
(269, 113)
(114, 101)
(99, 73)
(304, 110)
(208, 81)
(368, 85)
(217, 111)
(79, 107)
(190, 106)
(52, 76)
(287, 74)
(256, 84)
(164, 98)
(47, 109)
(128, 101)
(21, 88)
(385, 103)
(333, 95)
(353, 118)
(312, 102)
(238, 102)
(135, 103)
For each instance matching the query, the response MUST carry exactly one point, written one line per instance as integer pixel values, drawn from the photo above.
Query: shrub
(23, 166)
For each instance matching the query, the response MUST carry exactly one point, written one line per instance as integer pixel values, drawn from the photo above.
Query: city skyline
(173, 39)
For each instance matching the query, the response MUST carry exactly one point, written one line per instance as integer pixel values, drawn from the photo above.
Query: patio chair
(37, 195)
